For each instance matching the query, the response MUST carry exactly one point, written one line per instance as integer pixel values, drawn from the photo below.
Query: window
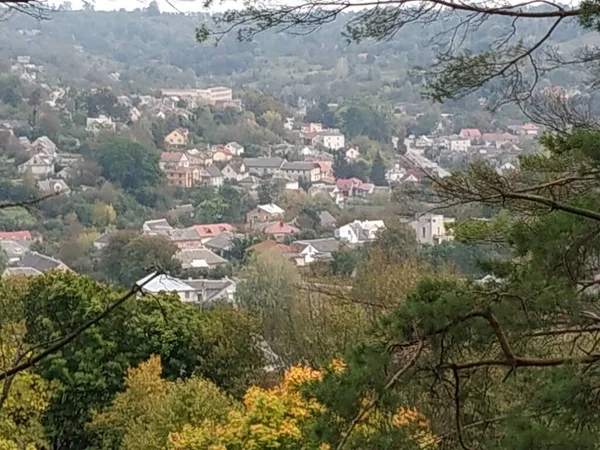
(424, 232)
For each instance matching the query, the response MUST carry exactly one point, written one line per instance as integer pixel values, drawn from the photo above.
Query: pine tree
(378, 171)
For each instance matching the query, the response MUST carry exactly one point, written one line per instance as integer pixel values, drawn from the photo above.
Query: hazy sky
(165, 6)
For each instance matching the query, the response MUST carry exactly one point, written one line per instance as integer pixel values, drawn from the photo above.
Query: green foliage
(365, 121)
(378, 171)
(129, 164)
(217, 345)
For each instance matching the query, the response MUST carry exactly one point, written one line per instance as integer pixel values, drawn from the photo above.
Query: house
(250, 182)
(299, 170)
(43, 145)
(456, 144)
(235, 148)
(278, 229)
(262, 166)
(57, 187)
(212, 176)
(222, 243)
(222, 154)
(326, 220)
(265, 213)
(234, 170)
(359, 231)
(423, 142)
(431, 228)
(287, 183)
(352, 154)
(199, 158)
(173, 159)
(471, 133)
(20, 272)
(103, 240)
(331, 139)
(211, 230)
(100, 123)
(317, 249)
(185, 238)
(181, 176)
(193, 291)
(18, 236)
(14, 250)
(185, 210)
(39, 165)
(311, 128)
(213, 290)
(354, 187)
(156, 227)
(499, 139)
(134, 114)
(200, 258)
(155, 284)
(528, 129)
(178, 138)
(41, 262)
(326, 168)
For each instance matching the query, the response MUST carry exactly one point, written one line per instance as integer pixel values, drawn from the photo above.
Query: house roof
(39, 262)
(211, 289)
(53, 186)
(499, 137)
(235, 145)
(280, 228)
(325, 166)
(172, 156)
(470, 132)
(104, 238)
(162, 283)
(324, 245)
(22, 235)
(200, 257)
(45, 142)
(249, 180)
(529, 126)
(13, 249)
(267, 163)
(327, 219)
(222, 241)
(213, 171)
(348, 183)
(298, 165)
(271, 208)
(184, 234)
(267, 246)
(213, 229)
(21, 272)
(157, 225)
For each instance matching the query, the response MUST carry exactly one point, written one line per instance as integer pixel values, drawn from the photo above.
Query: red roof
(171, 156)
(213, 229)
(348, 183)
(23, 235)
(266, 246)
(470, 132)
(499, 137)
(325, 166)
(529, 126)
(281, 228)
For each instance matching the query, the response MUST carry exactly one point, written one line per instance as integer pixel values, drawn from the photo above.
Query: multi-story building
(300, 170)
(431, 228)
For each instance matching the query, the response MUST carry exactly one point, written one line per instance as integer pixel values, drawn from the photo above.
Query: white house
(100, 123)
(189, 291)
(331, 139)
(431, 228)
(457, 144)
(38, 165)
(359, 231)
(235, 148)
(352, 154)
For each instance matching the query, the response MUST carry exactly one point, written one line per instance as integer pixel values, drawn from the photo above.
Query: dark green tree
(378, 171)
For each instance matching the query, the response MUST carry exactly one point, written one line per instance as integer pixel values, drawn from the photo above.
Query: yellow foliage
(103, 214)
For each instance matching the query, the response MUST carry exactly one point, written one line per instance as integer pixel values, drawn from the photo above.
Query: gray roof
(40, 262)
(104, 238)
(21, 272)
(213, 171)
(189, 256)
(14, 249)
(211, 289)
(325, 245)
(267, 163)
(327, 219)
(184, 234)
(222, 241)
(298, 165)
(157, 225)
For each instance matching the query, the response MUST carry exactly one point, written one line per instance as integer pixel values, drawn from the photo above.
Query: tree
(217, 345)
(378, 171)
(508, 64)
(129, 164)
(151, 407)
(144, 254)
(49, 125)
(103, 215)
